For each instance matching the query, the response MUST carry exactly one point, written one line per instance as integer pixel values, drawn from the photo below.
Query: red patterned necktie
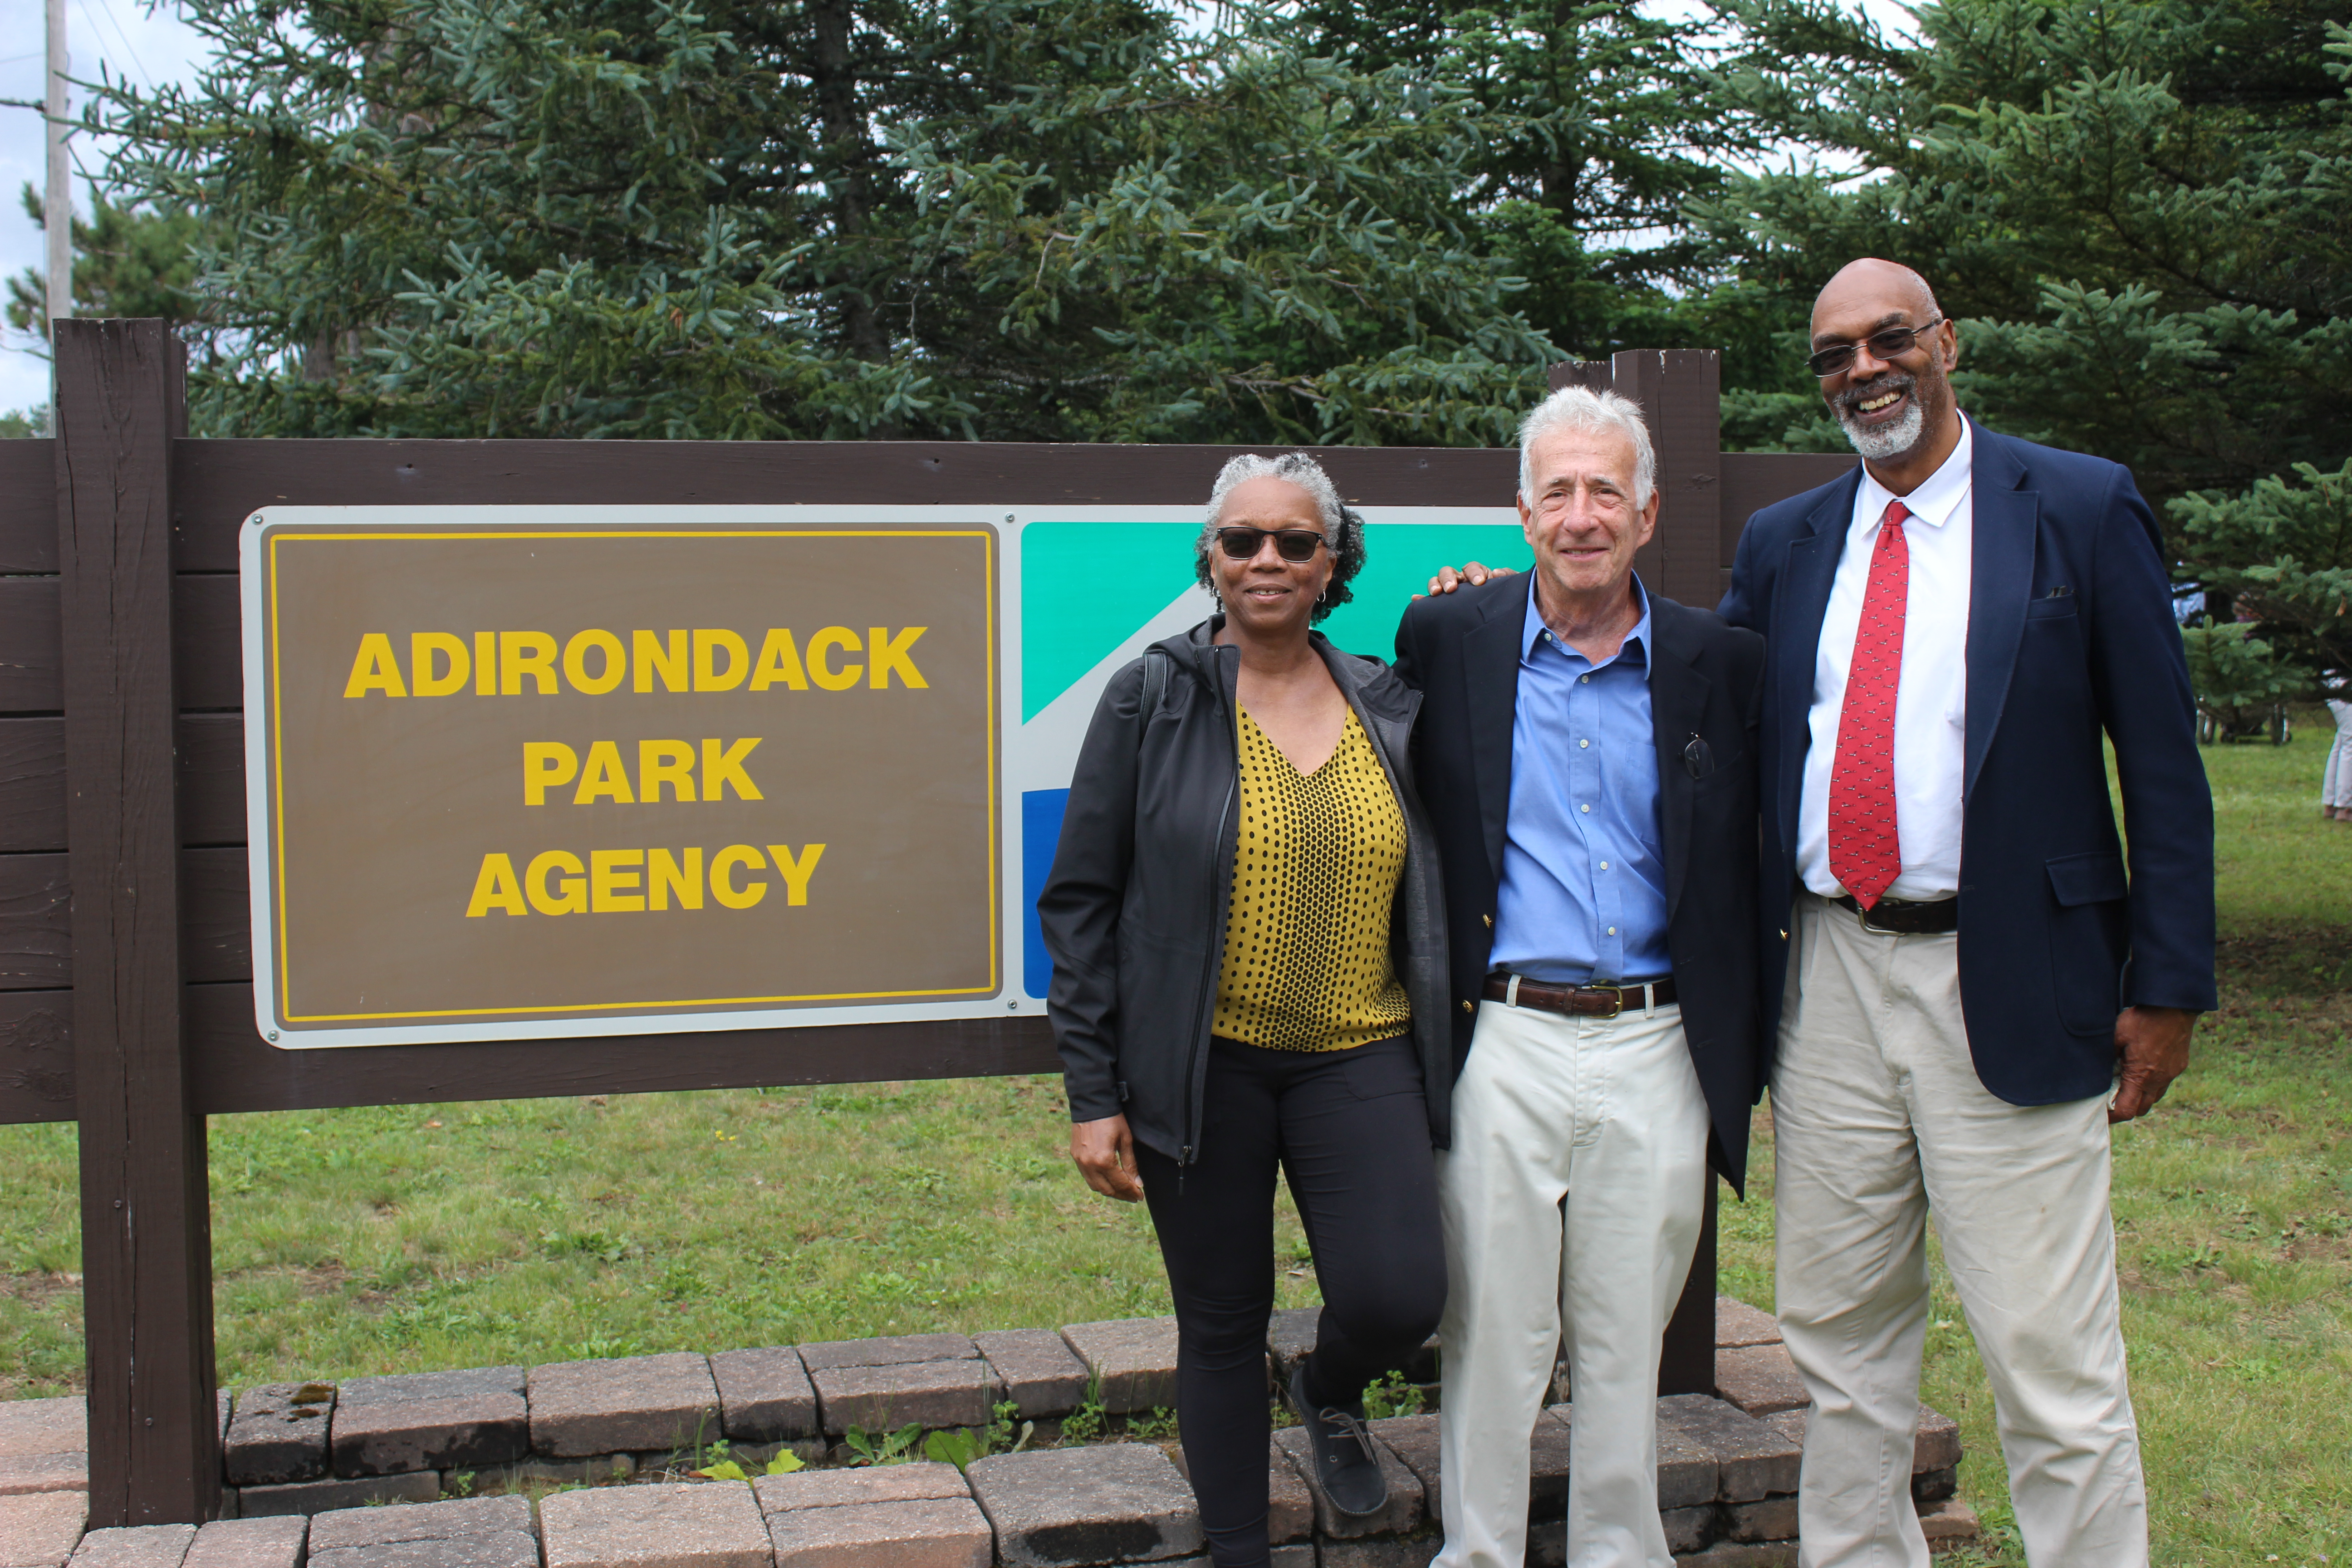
(1865, 855)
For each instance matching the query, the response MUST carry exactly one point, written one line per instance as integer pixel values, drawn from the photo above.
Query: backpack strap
(1155, 681)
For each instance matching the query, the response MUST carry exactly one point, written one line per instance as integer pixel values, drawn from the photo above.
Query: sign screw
(256, 520)
(1008, 517)
(273, 1036)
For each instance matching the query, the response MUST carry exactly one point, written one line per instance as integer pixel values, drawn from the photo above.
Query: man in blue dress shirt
(1587, 752)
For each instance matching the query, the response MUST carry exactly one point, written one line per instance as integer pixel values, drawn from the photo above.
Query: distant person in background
(2336, 778)
(1247, 930)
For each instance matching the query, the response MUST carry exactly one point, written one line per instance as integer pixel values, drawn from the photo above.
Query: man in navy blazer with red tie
(1962, 962)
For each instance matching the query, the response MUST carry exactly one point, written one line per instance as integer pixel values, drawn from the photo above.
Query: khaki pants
(1879, 1120)
(1577, 1178)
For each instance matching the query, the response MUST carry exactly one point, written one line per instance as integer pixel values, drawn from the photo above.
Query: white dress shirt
(1931, 701)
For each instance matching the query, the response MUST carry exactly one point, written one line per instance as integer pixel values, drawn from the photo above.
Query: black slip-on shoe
(1346, 1471)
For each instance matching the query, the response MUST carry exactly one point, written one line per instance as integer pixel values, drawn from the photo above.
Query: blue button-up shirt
(1584, 885)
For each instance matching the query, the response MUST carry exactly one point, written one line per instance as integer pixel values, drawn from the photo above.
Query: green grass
(410, 1238)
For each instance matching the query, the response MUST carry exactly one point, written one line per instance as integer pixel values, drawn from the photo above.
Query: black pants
(1352, 1132)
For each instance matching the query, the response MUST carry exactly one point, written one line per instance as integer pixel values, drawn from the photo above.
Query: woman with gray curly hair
(1249, 976)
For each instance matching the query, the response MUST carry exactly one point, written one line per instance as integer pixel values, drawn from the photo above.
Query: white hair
(1294, 468)
(1589, 413)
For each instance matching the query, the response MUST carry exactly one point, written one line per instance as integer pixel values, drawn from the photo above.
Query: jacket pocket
(2091, 879)
(2089, 933)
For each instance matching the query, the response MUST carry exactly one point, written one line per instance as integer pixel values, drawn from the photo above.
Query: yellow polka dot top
(1315, 868)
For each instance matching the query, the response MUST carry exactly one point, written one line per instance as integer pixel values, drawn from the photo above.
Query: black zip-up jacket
(1134, 911)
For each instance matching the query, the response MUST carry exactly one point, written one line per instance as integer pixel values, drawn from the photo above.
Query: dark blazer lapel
(1794, 637)
(1490, 667)
(1677, 703)
(2000, 580)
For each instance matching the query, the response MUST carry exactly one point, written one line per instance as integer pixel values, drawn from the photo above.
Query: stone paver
(430, 1421)
(1386, 1551)
(764, 1396)
(638, 1405)
(250, 1543)
(1751, 1459)
(1117, 1502)
(1937, 1447)
(897, 1349)
(338, 1492)
(1687, 1529)
(139, 1546)
(43, 1473)
(1948, 1526)
(1404, 1513)
(1133, 1360)
(1743, 1554)
(1687, 1474)
(459, 1519)
(883, 1398)
(1737, 1324)
(1760, 1379)
(31, 1427)
(1290, 1336)
(1930, 1487)
(921, 1482)
(1289, 1506)
(663, 1526)
(1767, 1519)
(1036, 1370)
(41, 1529)
(923, 1533)
(1414, 1440)
(279, 1433)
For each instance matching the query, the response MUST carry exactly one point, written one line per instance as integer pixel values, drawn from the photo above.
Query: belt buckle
(1617, 996)
(1878, 930)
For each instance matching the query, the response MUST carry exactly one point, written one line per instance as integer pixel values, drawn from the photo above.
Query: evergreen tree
(2141, 214)
(1028, 219)
(128, 261)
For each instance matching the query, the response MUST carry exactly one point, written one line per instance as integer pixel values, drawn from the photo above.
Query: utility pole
(57, 200)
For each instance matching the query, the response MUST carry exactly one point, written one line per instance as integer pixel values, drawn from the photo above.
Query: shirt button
(1581, 744)
(1612, 931)
(1604, 864)
(1586, 680)
(1584, 808)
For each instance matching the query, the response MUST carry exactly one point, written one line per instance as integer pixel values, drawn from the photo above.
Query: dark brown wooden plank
(217, 484)
(212, 778)
(29, 656)
(207, 651)
(28, 506)
(1679, 392)
(1687, 1365)
(155, 1441)
(36, 939)
(32, 785)
(216, 918)
(37, 1075)
(236, 1070)
(1753, 480)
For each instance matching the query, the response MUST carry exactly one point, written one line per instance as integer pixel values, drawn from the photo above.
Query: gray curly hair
(1342, 528)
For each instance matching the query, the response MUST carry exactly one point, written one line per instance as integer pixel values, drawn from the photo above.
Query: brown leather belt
(1602, 999)
(1904, 917)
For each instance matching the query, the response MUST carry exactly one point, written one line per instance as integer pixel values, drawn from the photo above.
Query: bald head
(1885, 356)
(1873, 290)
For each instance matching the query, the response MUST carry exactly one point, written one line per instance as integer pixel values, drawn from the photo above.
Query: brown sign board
(520, 770)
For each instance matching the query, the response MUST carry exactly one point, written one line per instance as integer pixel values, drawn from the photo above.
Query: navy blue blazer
(2069, 634)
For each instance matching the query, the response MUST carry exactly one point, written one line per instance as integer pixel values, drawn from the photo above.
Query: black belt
(1601, 999)
(1906, 917)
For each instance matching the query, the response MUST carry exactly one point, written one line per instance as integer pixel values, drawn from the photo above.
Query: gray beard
(1891, 442)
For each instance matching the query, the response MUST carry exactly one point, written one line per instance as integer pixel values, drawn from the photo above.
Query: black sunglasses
(1291, 544)
(1884, 346)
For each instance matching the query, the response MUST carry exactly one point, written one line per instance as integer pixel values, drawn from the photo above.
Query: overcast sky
(152, 46)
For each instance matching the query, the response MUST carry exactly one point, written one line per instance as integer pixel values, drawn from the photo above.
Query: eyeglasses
(1292, 544)
(1884, 346)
